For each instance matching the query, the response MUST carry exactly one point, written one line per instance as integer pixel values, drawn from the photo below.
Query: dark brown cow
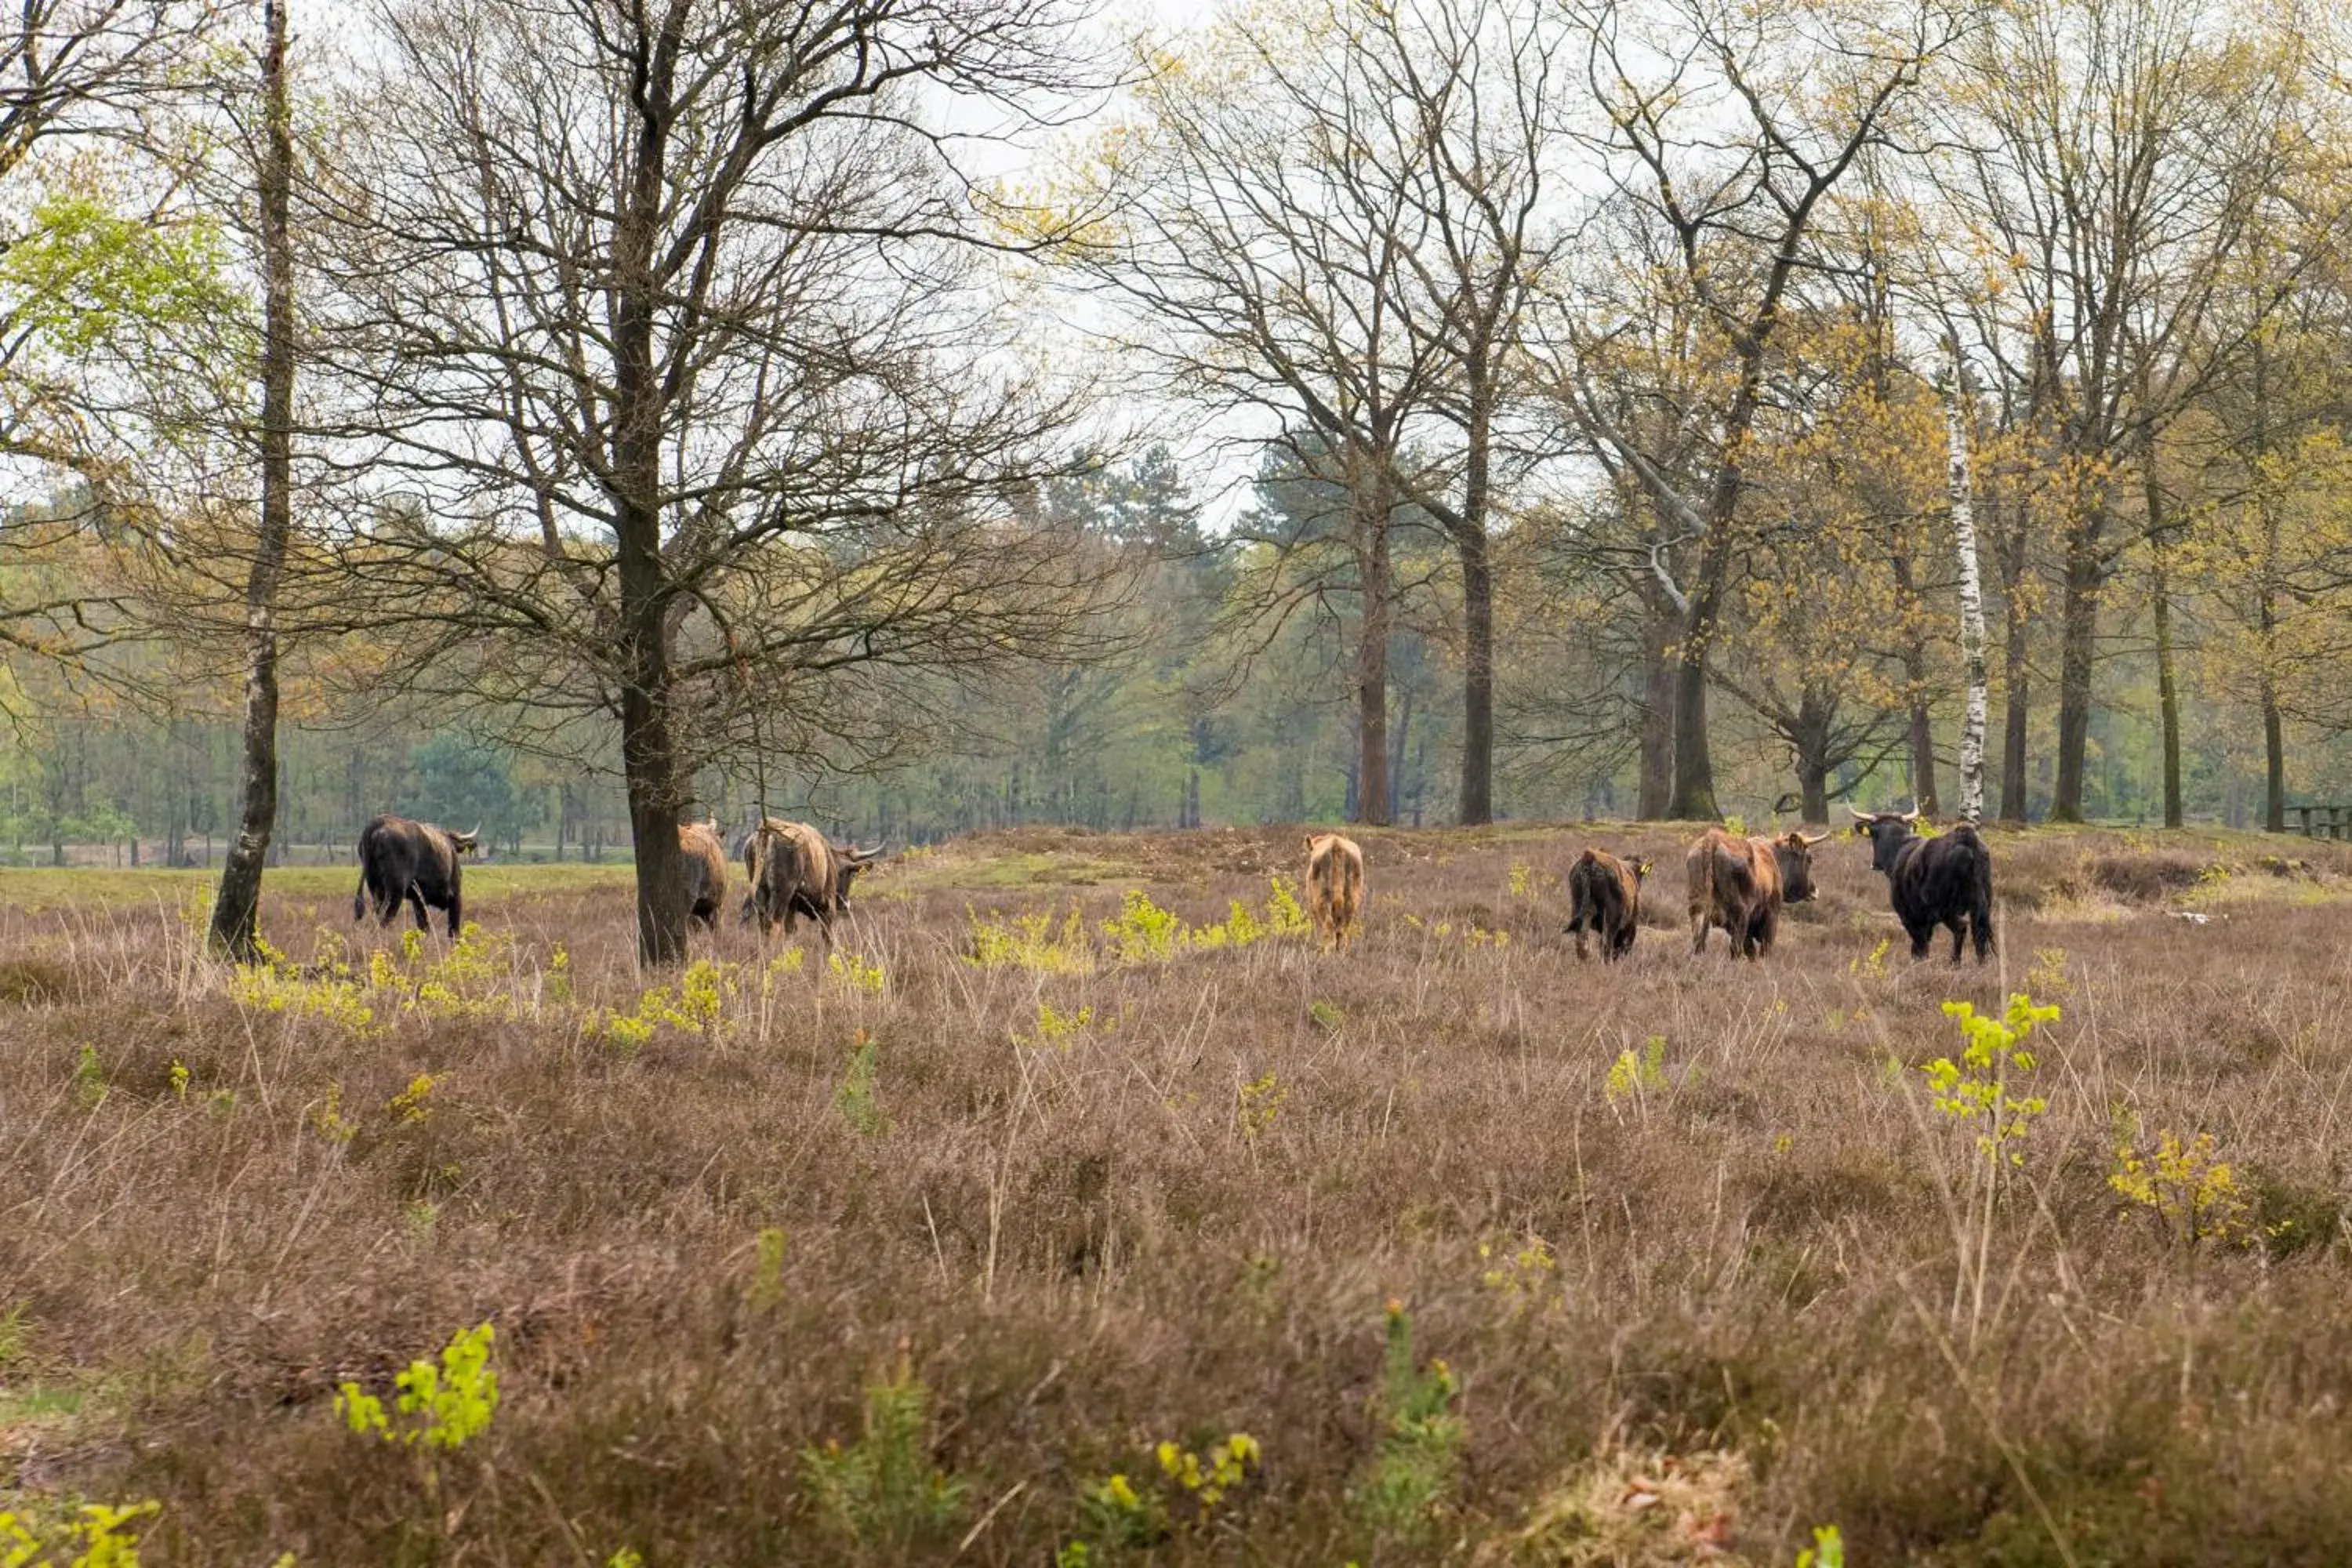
(1946, 880)
(1604, 896)
(1334, 886)
(706, 871)
(418, 862)
(795, 870)
(1740, 884)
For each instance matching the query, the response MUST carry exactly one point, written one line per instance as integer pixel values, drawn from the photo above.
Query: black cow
(1946, 880)
(1604, 896)
(417, 861)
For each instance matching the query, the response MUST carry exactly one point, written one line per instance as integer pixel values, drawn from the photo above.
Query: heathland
(1076, 1209)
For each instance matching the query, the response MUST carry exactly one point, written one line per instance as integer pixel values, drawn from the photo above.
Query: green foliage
(1032, 941)
(1828, 1549)
(882, 1489)
(1326, 1016)
(849, 969)
(1115, 1516)
(442, 1406)
(767, 1269)
(1629, 1075)
(1062, 1030)
(1401, 1493)
(1978, 1089)
(2190, 1191)
(1142, 931)
(85, 276)
(854, 1096)
(1258, 1104)
(88, 1079)
(94, 1538)
(1208, 1479)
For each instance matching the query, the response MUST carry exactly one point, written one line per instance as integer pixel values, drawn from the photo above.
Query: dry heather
(1493, 1257)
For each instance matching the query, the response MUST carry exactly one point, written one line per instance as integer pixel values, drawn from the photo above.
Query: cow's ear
(1310, 844)
(1642, 868)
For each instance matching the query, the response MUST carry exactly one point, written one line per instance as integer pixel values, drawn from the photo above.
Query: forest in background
(1605, 371)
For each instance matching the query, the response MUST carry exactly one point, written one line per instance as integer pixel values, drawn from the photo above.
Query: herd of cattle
(1737, 884)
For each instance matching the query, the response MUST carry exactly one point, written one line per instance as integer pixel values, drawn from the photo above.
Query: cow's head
(1794, 851)
(848, 861)
(466, 843)
(1887, 831)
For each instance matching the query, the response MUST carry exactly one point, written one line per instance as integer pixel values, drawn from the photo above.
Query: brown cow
(706, 871)
(1604, 896)
(1334, 886)
(1740, 884)
(796, 870)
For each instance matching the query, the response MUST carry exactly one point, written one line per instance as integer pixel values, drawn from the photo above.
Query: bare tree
(672, 321)
(1810, 89)
(1271, 259)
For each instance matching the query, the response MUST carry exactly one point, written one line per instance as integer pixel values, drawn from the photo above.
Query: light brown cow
(1334, 886)
(705, 871)
(1740, 884)
(796, 870)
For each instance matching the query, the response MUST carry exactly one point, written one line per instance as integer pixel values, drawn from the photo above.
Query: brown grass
(1089, 1245)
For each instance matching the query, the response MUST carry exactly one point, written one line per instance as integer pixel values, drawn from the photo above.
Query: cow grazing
(1740, 884)
(417, 861)
(706, 871)
(1604, 896)
(1946, 880)
(795, 870)
(1334, 886)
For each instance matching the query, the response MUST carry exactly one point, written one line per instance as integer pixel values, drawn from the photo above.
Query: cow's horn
(1859, 815)
(469, 838)
(1912, 815)
(1809, 839)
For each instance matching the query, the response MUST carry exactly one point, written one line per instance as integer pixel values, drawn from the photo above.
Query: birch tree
(1810, 90)
(1972, 620)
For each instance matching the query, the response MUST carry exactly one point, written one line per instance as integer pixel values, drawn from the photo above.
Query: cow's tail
(359, 897)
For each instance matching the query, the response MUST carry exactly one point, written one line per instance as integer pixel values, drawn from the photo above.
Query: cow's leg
(1698, 931)
(1981, 929)
(1957, 925)
(416, 906)
(1921, 935)
(456, 918)
(1761, 928)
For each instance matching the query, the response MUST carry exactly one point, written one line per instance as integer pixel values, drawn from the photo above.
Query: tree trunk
(1914, 674)
(649, 756)
(1972, 621)
(1477, 803)
(2267, 609)
(2078, 636)
(1657, 742)
(2015, 676)
(1694, 793)
(2168, 691)
(1372, 501)
(236, 907)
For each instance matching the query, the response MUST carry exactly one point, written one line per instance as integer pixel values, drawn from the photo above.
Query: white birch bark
(1972, 623)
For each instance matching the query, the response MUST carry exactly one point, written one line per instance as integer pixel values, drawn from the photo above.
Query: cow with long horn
(1740, 884)
(796, 870)
(418, 862)
(1944, 881)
